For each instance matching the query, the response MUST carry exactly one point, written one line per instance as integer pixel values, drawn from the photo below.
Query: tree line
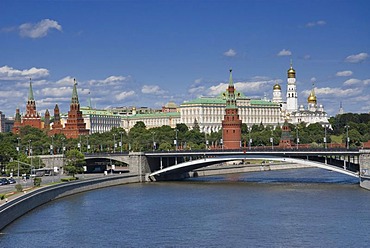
(31, 141)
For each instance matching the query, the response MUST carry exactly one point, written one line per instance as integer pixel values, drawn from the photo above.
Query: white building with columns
(208, 112)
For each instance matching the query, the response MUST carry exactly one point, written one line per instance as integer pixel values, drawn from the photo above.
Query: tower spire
(30, 92)
(231, 83)
(74, 93)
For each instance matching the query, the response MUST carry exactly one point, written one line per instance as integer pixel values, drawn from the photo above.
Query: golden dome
(291, 72)
(277, 87)
(312, 98)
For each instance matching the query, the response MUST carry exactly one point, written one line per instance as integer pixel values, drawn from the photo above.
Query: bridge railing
(263, 148)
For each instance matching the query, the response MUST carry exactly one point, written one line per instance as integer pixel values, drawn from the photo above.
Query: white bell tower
(291, 95)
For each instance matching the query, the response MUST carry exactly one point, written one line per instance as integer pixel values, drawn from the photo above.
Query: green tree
(75, 161)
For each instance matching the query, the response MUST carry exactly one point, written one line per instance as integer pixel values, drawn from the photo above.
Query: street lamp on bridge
(297, 138)
(153, 133)
(176, 130)
(114, 143)
(347, 138)
(18, 149)
(325, 141)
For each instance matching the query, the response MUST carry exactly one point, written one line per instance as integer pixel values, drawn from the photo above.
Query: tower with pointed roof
(47, 121)
(17, 122)
(31, 118)
(231, 124)
(75, 125)
(291, 95)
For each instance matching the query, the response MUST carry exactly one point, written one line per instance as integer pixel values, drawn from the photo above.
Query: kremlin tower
(231, 125)
(31, 118)
(75, 125)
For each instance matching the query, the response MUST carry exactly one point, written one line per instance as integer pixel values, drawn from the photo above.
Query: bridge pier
(365, 168)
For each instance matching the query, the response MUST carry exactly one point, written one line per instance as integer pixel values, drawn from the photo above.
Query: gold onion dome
(277, 87)
(291, 72)
(312, 98)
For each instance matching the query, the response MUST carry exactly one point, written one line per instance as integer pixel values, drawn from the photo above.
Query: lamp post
(80, 145)
(250, 140)
(63, 150)
(176, 130)
(153, 133)
(52, 152)
(297, 143)
(347, 138)
(121, 141)
(272, 139)
(29, 148)
(87, 144)
(18, 149)
(325, 141)
(114, 143)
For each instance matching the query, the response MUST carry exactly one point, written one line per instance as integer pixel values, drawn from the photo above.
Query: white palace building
(208, 112)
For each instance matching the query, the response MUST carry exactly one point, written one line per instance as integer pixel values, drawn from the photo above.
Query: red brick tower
(47, 121)
(75, 125)
(231, 125)
(17, 122)
(286, 136)
(31, 118)
(57, 126)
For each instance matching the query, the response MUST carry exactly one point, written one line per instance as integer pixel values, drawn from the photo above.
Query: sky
(150, 52)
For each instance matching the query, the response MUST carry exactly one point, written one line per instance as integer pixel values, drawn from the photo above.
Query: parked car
(11, 180)
(4, 181)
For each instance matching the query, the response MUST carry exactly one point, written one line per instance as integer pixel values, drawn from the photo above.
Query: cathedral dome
(291, 72)
(277, 87)
(312, 98)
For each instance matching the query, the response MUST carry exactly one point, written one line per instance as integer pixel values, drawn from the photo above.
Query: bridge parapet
(365, 168)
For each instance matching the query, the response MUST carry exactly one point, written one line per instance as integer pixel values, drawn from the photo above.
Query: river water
(292, 208)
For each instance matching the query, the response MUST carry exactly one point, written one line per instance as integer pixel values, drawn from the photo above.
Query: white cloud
(65, 81)
(344, 73)
(316, 23)
(336, 92)
(39, 29)
(357, 58)
(109, 81)
(230, 53)
(152, 89)
(198, 81)
(200, 90)
(124, 95)
(284, 52)
(57, 92)
(249, 87)
(9, 73)
(307, 57)
(366, 81)
(352, 81)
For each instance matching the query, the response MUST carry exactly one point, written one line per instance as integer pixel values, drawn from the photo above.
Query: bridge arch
(200, 163)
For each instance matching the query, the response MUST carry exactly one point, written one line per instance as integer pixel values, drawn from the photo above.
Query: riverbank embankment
(11, 210)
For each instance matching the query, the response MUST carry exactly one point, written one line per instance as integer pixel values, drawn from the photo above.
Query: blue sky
(146, 53)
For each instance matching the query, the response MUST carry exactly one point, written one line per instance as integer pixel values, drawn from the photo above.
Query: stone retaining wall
(14, 209)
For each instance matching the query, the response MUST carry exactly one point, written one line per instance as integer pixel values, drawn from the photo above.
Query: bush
(19, 187)
(2, 197)
(68, 179)
(37, 182)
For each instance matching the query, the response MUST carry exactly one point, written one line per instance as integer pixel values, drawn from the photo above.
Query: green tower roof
(30, 93)
(74, 93)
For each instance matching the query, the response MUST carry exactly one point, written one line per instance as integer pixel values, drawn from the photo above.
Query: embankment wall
(19, 206)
